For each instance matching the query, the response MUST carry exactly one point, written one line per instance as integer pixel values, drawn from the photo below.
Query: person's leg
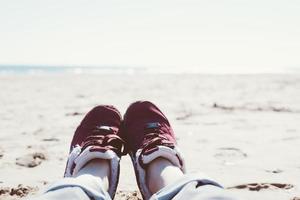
(98, 168)
(152, 147)
(94, 176)
(159, 165)
(160, 173)
(92, 169)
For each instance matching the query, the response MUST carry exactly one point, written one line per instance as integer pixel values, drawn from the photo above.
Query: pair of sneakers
(145, 134)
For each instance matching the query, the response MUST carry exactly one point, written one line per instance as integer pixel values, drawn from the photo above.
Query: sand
(241, 130)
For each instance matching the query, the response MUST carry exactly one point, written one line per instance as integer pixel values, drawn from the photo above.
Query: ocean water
(24, 69)
(32, 70)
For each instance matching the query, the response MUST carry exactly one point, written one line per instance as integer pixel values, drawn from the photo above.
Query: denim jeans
(190, 187)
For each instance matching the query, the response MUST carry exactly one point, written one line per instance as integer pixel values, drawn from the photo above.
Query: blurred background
(233, 36)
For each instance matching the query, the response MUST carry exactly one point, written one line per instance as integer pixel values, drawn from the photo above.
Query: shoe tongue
(106, 129)
(152, 125)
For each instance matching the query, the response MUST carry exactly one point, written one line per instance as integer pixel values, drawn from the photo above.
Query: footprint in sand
(275, 171)
(292, 138)
(38, 131)
(52, 139)
(262, 186)
(230, 154)
(31, 160)
(184, 116)
(74, 114)
(80, 96)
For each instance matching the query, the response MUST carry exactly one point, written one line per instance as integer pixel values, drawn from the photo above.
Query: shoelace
(155, 137)
(107, 139)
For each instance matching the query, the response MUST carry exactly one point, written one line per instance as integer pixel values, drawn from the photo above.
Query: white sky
(206, 34)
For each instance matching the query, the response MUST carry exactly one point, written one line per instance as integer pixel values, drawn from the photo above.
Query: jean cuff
(169, 191)
(91, 185)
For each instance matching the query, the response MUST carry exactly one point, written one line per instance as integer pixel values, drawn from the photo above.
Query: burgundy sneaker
(97, 137)
(149, 135)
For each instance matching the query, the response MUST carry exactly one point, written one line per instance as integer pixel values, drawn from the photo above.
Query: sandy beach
(241, 130)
